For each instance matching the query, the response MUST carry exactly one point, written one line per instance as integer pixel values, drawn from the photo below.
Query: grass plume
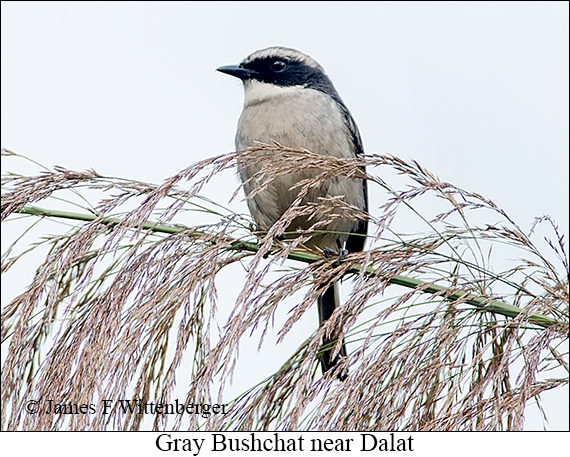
(439, 339)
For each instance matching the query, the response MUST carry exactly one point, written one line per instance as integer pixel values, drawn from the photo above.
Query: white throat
(257, 92)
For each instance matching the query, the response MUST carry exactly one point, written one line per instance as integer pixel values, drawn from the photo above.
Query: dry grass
(128, 292)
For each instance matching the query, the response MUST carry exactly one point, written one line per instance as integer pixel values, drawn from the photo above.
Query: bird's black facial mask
(283, 71)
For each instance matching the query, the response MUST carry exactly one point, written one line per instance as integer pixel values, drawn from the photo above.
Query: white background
(475, 92)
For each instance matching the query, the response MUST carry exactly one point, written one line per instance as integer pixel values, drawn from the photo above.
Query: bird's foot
(340, 253)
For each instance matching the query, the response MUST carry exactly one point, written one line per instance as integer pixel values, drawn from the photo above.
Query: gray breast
(297, 118)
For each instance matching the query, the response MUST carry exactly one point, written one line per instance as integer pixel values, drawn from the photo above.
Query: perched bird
(291, 101)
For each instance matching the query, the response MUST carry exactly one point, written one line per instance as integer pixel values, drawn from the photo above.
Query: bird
(289, 100)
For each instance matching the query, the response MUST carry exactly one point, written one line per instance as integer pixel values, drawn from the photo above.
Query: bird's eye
(278, 66)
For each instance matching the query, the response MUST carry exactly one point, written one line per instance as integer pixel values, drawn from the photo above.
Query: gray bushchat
(290, 100)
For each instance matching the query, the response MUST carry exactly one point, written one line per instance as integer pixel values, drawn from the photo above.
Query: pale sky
(477, 93)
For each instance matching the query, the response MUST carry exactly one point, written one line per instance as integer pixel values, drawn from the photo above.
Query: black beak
(238, 71)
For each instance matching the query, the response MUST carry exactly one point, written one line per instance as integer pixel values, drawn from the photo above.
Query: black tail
(327, 303)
